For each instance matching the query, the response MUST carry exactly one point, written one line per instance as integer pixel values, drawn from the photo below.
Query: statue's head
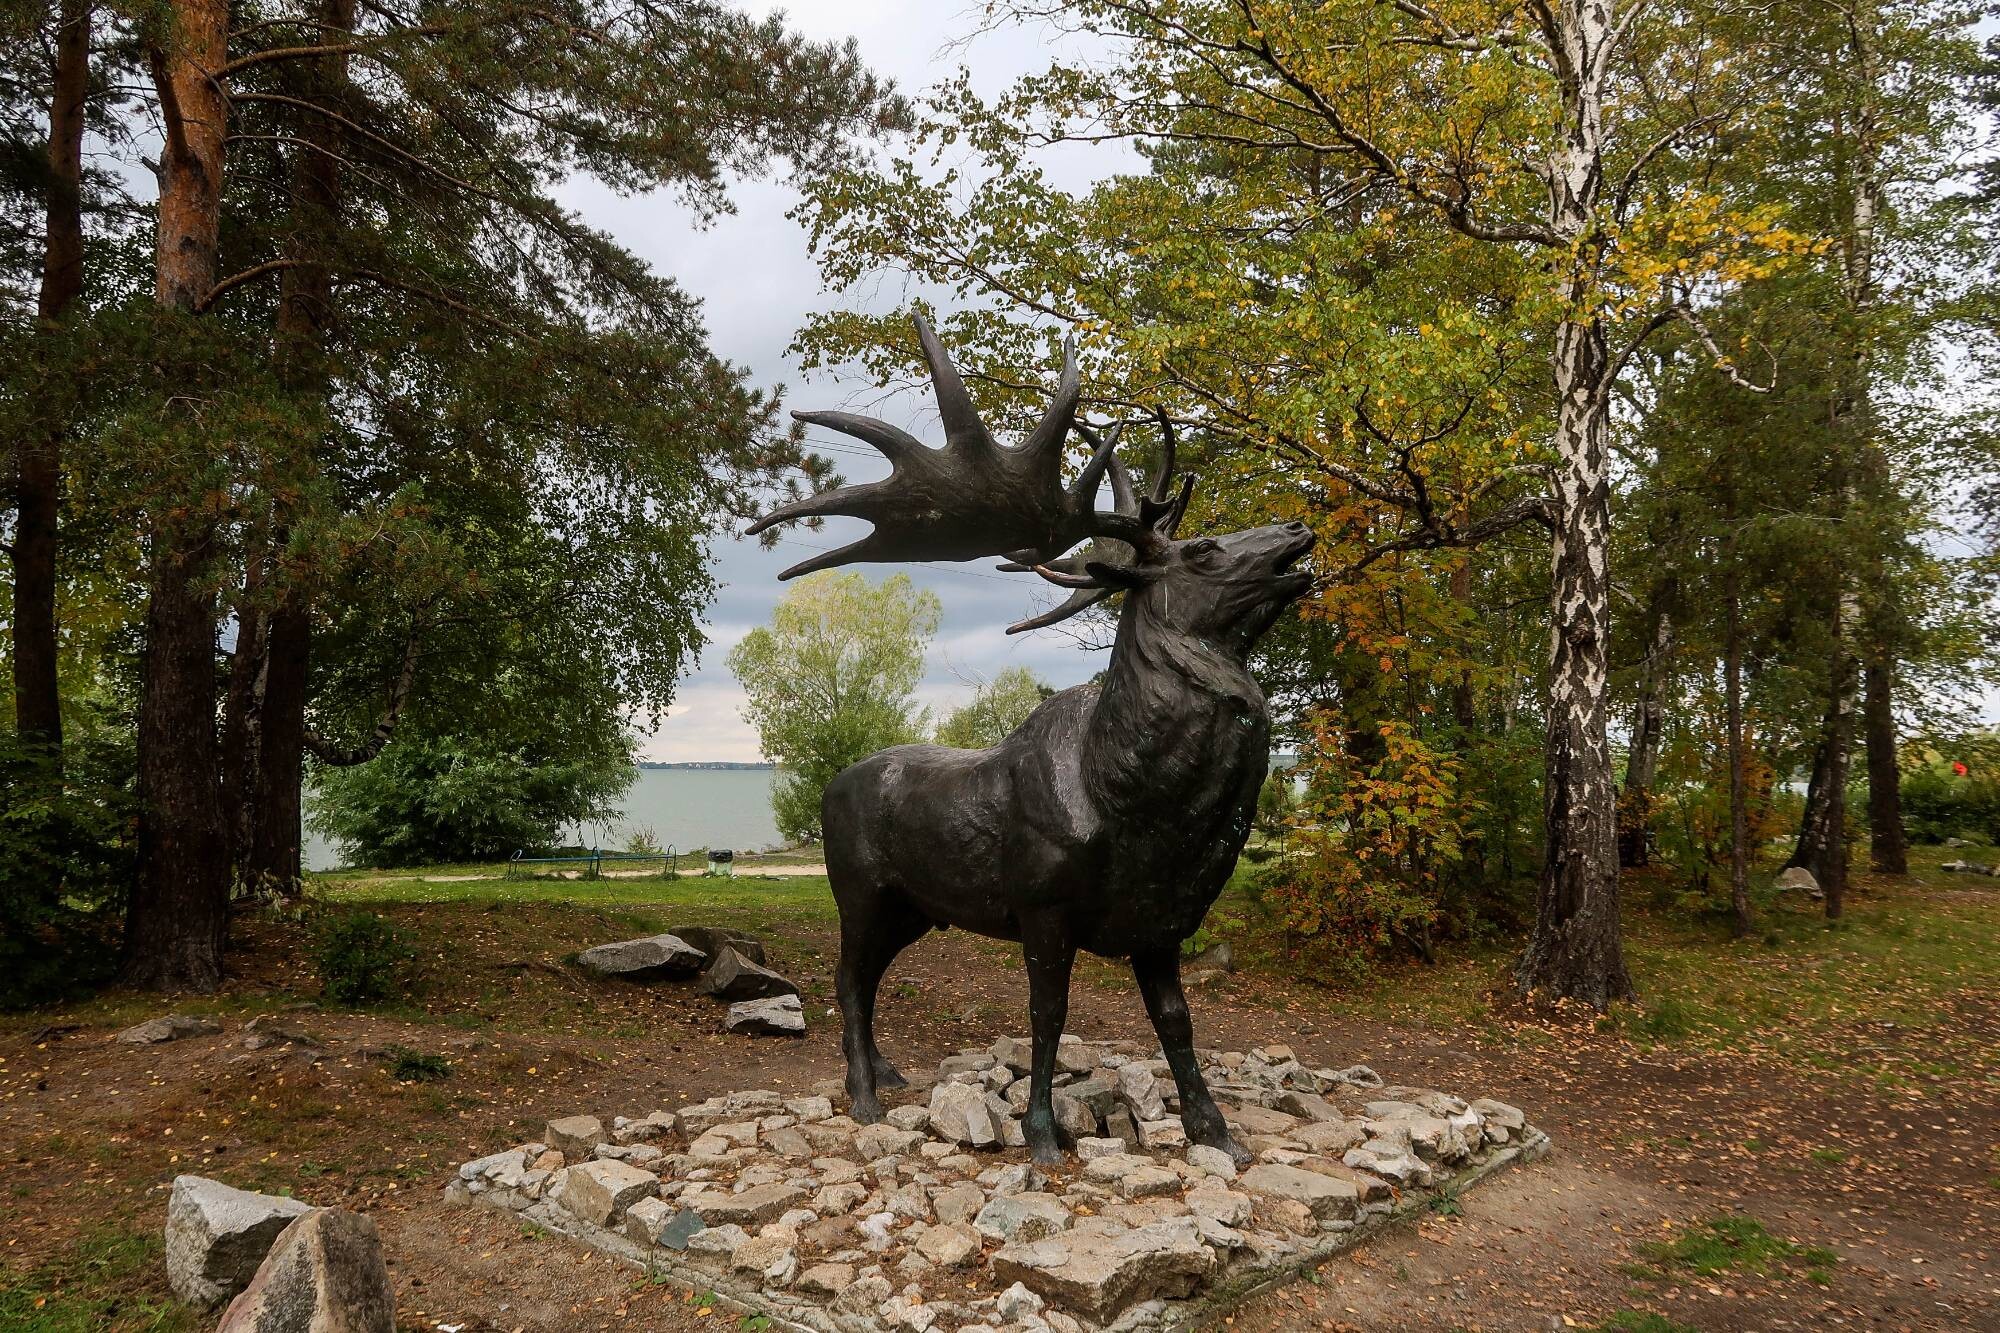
(1225, 590)
(976, 497)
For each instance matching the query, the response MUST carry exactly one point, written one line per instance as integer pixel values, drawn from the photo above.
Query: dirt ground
(1900, 1182)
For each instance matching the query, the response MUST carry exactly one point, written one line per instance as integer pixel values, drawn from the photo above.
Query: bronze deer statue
(1112, 817)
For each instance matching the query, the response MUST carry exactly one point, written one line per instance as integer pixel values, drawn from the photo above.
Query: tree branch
(1685, 313)
(336, 756)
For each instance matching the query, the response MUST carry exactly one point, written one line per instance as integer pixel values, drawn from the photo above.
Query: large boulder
(1801, 879)
(779, 1016)
(171, 1027)
(1031, 1216)
(959, 1114)
(654, 958)
(217, 1235)
(324, 1275)
(732, 977)
(712, 940)
(1331, 1199)
(575, 1136)
(1099, 1271)
(601, 1191)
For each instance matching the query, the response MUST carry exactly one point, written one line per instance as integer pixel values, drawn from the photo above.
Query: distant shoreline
(706, 765)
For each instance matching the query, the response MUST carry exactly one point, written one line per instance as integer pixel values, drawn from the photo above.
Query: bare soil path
(1876, 1139)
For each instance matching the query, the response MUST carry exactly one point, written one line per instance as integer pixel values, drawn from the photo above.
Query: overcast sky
(758, 283)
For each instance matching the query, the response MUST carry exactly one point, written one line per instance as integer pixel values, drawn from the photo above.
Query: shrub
(411, 1066)
(361, 958)
(1939, 803)
(65, 862)
(427, 799)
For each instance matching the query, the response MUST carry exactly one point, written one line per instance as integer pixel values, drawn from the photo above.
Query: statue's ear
(1118, 576)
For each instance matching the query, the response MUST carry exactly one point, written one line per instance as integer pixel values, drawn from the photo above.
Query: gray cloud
(758, 282)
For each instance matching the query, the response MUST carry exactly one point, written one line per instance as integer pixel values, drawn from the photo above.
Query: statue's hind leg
(1158, 973)
(871, 935)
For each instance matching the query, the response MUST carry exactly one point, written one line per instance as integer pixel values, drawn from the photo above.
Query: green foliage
(998, 706)
(1382, 828)
(1940, 803)
(361, 958)
(478, 795)
(1274, 803)
(410, 1066)
(66, 854)
(831, 680)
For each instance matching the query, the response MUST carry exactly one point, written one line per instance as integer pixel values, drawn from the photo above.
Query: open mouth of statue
(1298, 579)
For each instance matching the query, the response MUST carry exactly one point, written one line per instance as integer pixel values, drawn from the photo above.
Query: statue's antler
(970, 499)
(1132, 536)
(976, 498)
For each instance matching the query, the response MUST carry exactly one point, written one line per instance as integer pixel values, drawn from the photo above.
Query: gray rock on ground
(1100, 1271)
(959, 1113)
(732, 977)
(779, 1016)
(324, 1275)
(575, 1136)
(1023, 1218)
(601, 1191)
(1329, 1198)
(217, 1235)
(168, 1027)
(1798, 877)
(712, 940)
(653, 958)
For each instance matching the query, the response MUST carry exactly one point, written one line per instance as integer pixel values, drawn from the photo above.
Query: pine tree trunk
(1648, 724)
(274, 862)
(177, 921)
(1822, 844)
(305, 309)
(1888, 848)
(1739, 786)
(240, 705)
(38, 462)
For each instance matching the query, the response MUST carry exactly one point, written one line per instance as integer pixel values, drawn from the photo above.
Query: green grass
(1794, 991)
(1643, 1321)
(408, 1066)
(1735, 1243)
(92, 1288)
(805, 899)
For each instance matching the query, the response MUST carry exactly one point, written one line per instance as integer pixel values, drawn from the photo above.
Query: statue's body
(1112, 817)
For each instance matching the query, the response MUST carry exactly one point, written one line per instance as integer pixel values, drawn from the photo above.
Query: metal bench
(594, 862)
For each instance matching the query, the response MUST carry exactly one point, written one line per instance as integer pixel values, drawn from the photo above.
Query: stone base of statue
(935, 1219)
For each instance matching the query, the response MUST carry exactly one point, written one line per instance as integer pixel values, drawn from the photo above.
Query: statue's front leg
(1158, 973)
(1050, 956)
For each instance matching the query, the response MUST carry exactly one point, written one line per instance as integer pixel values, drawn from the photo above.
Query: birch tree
(1564, 139)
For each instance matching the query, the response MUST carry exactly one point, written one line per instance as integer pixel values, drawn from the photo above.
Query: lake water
(684, 807)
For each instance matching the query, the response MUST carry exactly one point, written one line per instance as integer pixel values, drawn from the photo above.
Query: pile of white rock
(934, 1219)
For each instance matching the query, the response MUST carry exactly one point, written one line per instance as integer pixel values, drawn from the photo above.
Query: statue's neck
(1171, 719)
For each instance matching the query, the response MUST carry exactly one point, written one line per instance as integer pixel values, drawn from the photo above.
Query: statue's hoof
(1237, 1152)
(887, 1077)
(1051, 1157)
(866, 1111)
